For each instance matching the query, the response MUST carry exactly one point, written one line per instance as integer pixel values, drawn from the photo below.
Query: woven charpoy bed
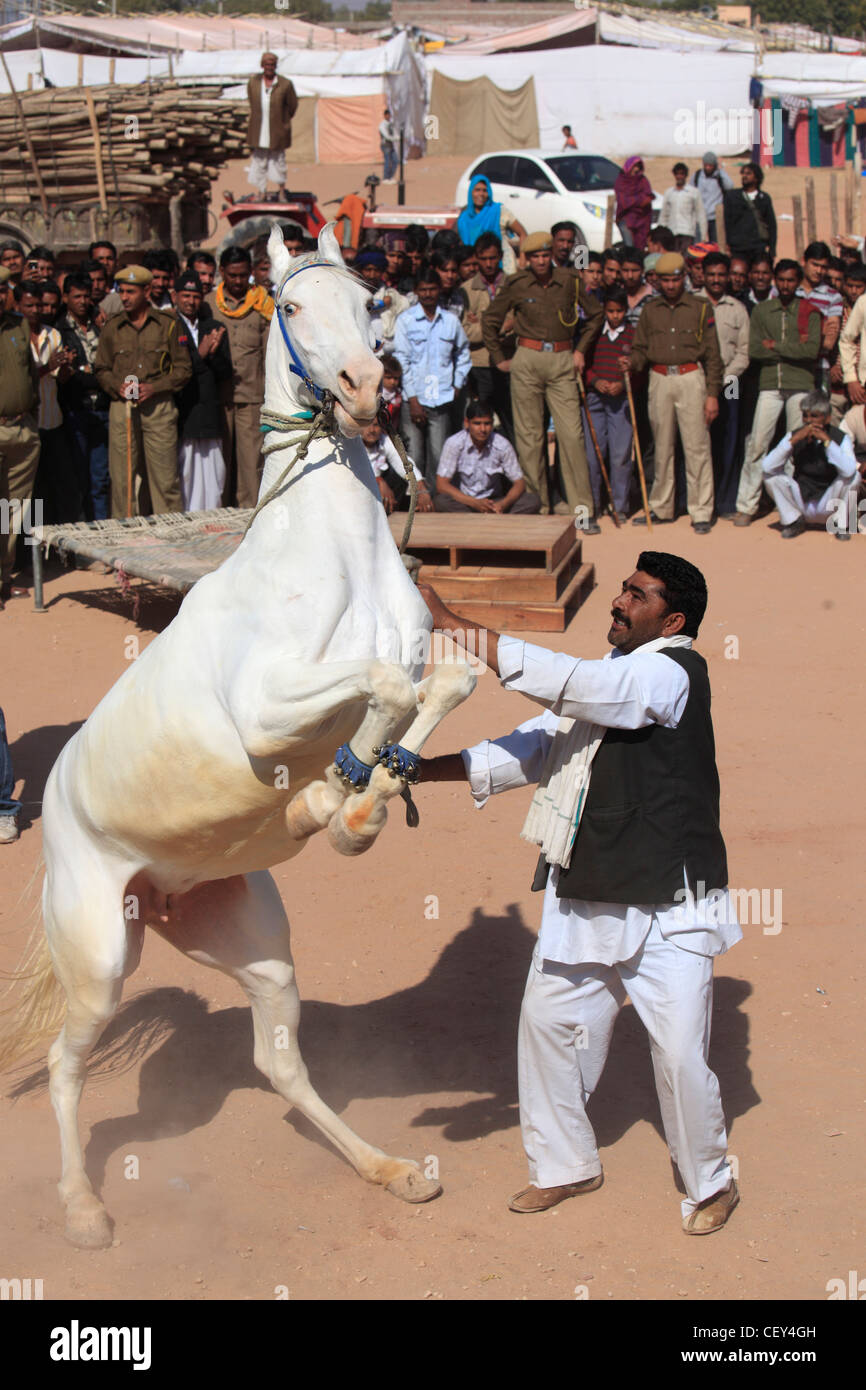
(173, 550)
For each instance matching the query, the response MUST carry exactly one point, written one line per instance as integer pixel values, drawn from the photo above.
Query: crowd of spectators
(509, 390)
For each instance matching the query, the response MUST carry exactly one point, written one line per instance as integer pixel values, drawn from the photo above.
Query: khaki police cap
(536, 241)
(4, 274)
(670, 263)
(134, 275)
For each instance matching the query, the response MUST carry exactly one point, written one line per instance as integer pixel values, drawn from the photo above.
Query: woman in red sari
(634, 198)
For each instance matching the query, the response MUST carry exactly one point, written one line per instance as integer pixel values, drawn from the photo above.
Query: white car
(546, 186)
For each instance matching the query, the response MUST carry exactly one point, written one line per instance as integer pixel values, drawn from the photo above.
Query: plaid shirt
(472, 470)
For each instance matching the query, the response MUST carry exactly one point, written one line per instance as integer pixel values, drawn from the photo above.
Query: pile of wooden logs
(147, 142)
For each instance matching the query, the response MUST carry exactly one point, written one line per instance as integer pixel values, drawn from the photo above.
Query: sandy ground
(433, 180)
(409, 1020)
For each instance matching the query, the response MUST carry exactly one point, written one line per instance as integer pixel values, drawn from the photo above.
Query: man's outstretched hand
(442, 617)
(483, 642)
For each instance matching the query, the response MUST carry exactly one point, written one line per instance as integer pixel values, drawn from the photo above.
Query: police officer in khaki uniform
(676, 336)
(142, 358)
(19, 437)
(545, 301)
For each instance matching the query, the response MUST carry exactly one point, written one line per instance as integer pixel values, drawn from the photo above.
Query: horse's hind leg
(239, 926)
(93, 950)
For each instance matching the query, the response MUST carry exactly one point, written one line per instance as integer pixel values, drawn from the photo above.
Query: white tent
(824, 78)
(618, 101)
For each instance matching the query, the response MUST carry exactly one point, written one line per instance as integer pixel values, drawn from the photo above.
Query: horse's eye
(288, 310)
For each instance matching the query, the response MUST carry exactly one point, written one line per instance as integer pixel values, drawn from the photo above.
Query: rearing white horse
(174, 791)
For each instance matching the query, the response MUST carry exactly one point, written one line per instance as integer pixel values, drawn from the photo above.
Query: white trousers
(786, 494)
(566, 1024)
(202, 470)
(264, 165)
(767, 411)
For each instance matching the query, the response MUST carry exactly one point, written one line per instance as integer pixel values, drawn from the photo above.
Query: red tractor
(357, 220)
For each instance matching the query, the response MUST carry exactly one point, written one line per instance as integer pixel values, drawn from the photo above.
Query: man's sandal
(712, 1214)
(541, 1198)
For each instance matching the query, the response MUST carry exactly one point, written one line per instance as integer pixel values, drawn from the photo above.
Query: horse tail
(38, 1004)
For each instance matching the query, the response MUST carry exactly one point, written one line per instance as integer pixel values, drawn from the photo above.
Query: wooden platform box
(519, 573)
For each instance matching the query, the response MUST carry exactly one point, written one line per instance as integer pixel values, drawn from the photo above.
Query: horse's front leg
(359, 819)
(287, 705)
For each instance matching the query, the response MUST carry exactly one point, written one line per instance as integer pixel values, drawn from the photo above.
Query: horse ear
(279, 256)
(329, 247)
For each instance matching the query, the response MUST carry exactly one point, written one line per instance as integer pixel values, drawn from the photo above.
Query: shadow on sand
(454, 1031)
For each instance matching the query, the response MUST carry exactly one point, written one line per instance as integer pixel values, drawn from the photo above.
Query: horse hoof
(414, 1187)
(88, 1225)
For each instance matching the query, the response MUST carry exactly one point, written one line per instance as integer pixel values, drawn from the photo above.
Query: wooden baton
(637, 451)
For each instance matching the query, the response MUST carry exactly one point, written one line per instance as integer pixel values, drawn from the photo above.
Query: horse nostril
(347, 381)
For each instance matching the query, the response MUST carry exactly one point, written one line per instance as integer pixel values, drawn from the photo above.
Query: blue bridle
(297, 367)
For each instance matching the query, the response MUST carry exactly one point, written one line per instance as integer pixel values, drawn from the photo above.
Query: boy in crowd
(478, 470)
(392, 387)
(390, 474)
(607, 404)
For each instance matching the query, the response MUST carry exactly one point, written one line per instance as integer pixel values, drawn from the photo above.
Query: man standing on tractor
(273, 103)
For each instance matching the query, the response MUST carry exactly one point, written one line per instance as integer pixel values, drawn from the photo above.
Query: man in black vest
(634, 874)
(823, 488)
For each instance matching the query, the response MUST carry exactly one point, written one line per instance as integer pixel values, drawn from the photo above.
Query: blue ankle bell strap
(400, 761)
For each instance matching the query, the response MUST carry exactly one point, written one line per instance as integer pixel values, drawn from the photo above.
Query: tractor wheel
(245, 233)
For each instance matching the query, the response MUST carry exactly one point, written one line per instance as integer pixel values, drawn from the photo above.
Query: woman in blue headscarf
(482, 214)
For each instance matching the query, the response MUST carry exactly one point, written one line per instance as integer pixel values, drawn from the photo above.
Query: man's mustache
(620, 617)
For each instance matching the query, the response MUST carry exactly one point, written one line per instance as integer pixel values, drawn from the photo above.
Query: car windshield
(584, 173)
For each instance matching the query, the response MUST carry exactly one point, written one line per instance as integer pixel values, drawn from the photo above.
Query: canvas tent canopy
(824, 78)
(136, 36)
(619, 101)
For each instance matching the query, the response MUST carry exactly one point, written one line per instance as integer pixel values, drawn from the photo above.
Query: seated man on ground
(824, 484)
(390, 474)
(478, 469)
